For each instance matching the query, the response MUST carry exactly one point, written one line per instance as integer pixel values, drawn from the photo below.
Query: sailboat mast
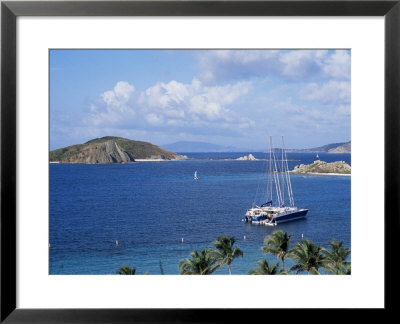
(283, 175)
(289, 184)
(270, 171)
(276, 178)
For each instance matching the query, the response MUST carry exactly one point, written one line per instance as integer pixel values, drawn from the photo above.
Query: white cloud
(332, 92)
(289, 107)
(153, 119)
(228, 64)
(301, 63)
(172, 104)
(232, 93)
(287, 64)
(119, 96)
(337, 65)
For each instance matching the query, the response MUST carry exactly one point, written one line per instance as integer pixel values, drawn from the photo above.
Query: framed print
(145, 138)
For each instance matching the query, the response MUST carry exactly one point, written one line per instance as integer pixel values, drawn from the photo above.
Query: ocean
(148, 207)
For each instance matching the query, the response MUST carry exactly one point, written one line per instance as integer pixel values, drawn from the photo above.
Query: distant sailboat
(317, 156)
(195, 176)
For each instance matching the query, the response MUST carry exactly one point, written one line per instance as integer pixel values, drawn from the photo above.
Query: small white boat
(317, 156)
(195, 176)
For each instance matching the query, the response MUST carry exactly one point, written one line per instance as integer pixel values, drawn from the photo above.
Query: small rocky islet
(249, 157)
(322, 167)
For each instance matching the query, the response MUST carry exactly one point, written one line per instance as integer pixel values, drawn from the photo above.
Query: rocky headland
(110, 149)
(321, 167)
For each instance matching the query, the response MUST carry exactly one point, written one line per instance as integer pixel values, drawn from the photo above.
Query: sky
(227, 97)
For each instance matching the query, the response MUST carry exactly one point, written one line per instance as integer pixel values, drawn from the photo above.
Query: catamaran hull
(291, 217)
(262, 220)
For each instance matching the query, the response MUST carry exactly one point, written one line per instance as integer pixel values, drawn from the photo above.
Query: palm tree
(308, 257)
(126, 270)
(345, 269)
(226, 253)
(200, 263)
(264, 268)
(337, 258)
(277, 243)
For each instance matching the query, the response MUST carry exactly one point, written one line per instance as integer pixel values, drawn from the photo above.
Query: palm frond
(336, 256)
(201, 263)
(225, 253)
(264, 268)
(308, 257)
(126, 270)
(277, 243)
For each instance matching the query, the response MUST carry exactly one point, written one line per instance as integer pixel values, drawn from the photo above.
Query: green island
(111, 149)
(307, 257)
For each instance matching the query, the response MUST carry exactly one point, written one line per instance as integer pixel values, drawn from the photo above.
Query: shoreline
(323, 174)
(164, 160)
(156, 160)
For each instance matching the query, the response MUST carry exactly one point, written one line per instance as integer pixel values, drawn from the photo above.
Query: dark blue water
(150, 206)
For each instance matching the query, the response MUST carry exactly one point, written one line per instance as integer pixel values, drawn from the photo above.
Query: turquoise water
(150, 206)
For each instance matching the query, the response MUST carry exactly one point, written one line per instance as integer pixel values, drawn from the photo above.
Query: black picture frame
(10, 10)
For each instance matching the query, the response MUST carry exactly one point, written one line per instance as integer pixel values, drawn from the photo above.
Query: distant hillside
(329, 148)
(345, 148)
(111, 149)
(185, 146)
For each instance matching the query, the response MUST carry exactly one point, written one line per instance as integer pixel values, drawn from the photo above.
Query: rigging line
(270, 172)
(289, 183)
(264, 194)
(284, 172)
(266, 176)
(256, 195)
(277, 184)
(261, 180)
(269, 190)
(282, 176)
(276, 178)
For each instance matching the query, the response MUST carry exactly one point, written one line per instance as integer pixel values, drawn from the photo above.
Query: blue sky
(228, 97)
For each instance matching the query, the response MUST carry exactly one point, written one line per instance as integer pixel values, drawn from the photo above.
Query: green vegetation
(138, 149)
(65, 152)
(307, 257)
(126, 270)
(209, 260)
(225, 253)
(277, 243)
(336, 258)
(264, 268)
(202, 263)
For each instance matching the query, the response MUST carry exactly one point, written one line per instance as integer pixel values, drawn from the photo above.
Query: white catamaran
(278, 207)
